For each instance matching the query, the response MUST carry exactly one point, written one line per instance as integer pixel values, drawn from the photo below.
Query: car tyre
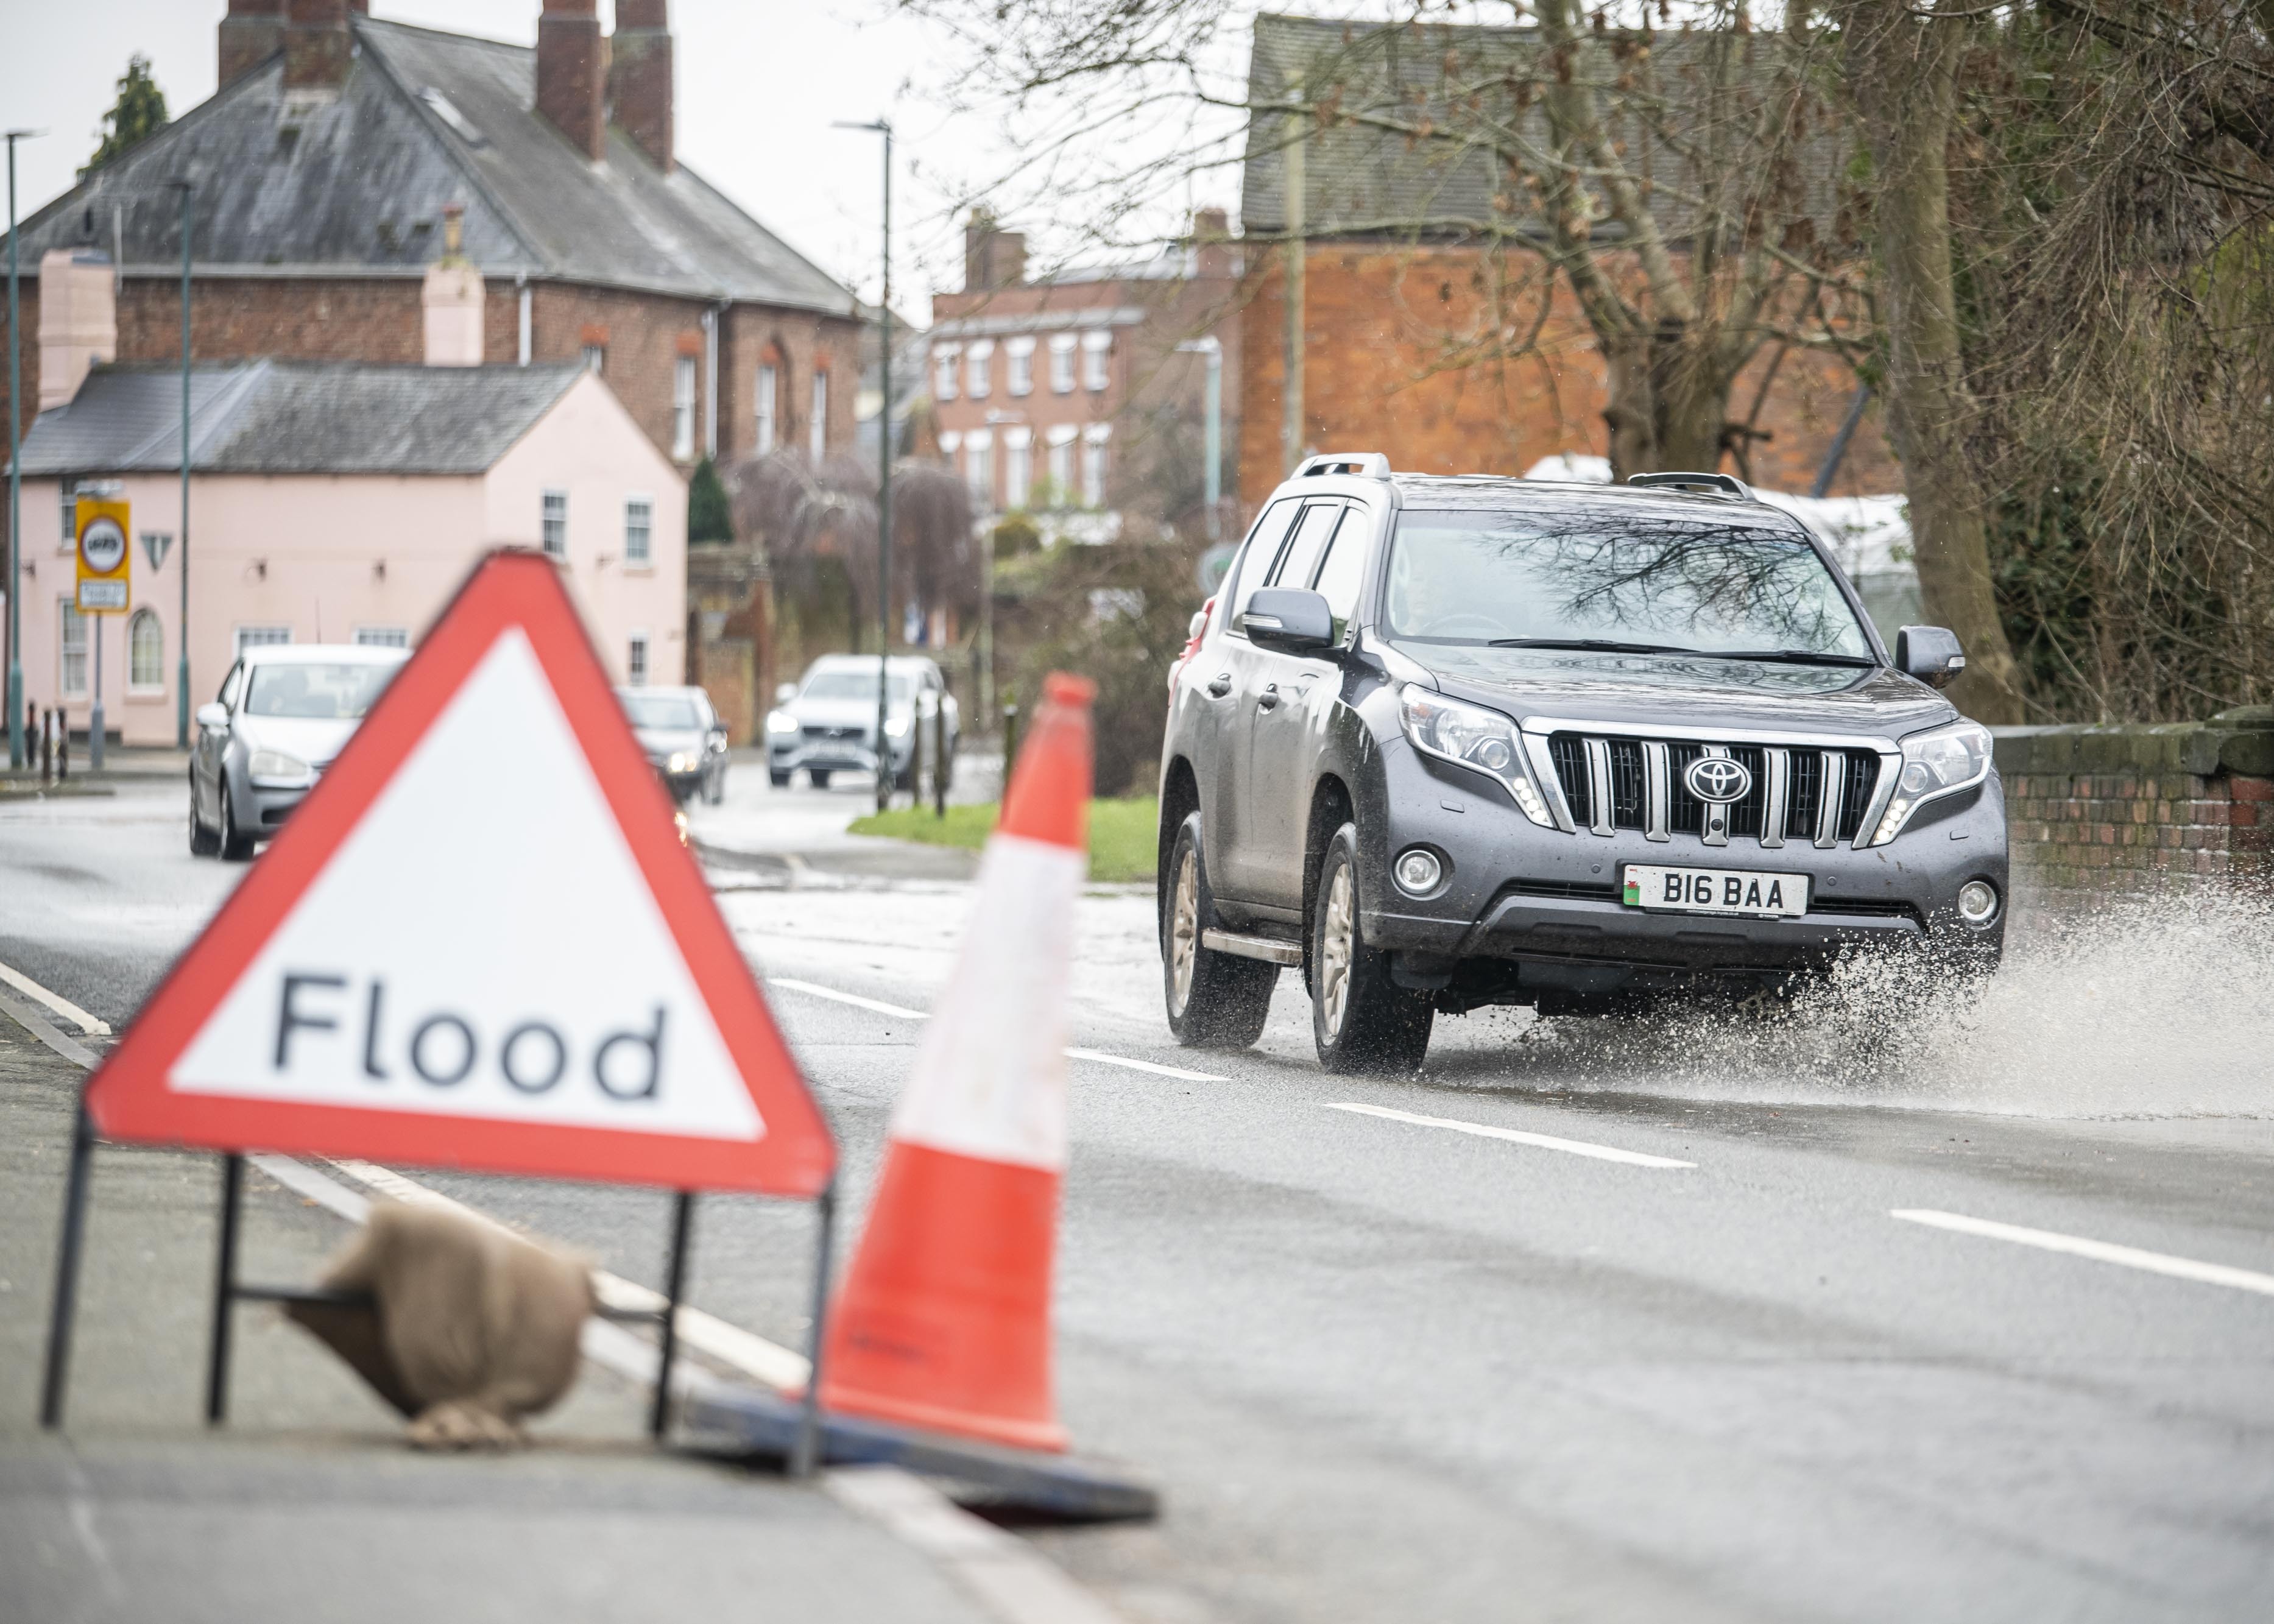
(715, 792)
(778, 780)
(819, 775)
(204, 842)
(1215, 1000)
(1362, 1020)
(235, 846)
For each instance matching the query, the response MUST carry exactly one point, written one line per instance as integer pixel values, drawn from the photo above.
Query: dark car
(683, 736)
(1446, 742)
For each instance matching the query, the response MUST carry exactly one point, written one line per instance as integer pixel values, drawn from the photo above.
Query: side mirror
(1289, 621)
(212, 715)
(784, 693)
(1931, 653)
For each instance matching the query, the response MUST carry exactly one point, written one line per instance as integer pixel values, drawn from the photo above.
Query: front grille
(834, 734)
(1642, 783)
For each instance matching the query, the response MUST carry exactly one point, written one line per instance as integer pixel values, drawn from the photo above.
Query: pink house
(336, 502)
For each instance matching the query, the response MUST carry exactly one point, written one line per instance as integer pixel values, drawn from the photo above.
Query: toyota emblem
(1718, 778)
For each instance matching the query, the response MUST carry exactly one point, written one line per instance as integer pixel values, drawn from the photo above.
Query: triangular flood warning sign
(478, 943)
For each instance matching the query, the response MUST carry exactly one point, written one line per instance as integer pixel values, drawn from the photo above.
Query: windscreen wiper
(1598, 645)
(1790, 656)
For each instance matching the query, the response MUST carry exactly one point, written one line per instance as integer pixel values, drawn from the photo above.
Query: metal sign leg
(682, 1214)
(233, 1193)
(808, 1452)
(56, 1379)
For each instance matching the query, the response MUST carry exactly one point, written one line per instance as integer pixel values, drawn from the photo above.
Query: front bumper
(1514, 892)
(831, 755)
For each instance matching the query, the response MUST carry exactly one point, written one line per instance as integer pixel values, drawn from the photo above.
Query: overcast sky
(759, 82)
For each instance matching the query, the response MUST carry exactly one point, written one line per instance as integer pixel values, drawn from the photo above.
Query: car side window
(231, 684)
(1302, 554)
(1262, 551)
(1343, 573)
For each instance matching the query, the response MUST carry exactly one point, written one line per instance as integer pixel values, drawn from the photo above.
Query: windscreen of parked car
(663, 712)
(851, 684)
(325, 693)
(1591, 577)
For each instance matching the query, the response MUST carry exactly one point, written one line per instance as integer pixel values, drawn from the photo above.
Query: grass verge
(1122, 832)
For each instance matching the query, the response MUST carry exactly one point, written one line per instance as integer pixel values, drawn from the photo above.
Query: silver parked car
(283, 713)
(827, 724)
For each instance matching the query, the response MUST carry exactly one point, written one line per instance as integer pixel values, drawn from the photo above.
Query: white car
(283, 713)
(827, 724)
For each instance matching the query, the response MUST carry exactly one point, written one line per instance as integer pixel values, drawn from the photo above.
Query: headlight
(679, 762)
(1474, 737)
(781, 722)
(274, 769)
(1935, 764)
(896, 727)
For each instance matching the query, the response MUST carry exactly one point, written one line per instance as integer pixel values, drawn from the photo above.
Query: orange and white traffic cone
(944, 1320)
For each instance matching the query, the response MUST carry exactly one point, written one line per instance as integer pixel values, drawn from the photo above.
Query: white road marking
(2099, 1251)
(38, 1025)
(1013, 1580)
(1543, 1141)
(57, 1002)
(815, 990)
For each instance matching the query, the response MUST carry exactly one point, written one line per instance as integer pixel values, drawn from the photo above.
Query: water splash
(2136, 1008)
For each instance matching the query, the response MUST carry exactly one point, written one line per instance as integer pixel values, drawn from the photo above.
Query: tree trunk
(1904, 73)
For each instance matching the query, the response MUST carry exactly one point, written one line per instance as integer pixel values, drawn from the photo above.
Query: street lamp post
(1213, 349)
(885, 492)
(182, 548)
(15, 475)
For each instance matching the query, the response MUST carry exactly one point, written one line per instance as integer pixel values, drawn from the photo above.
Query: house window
(1093, 463)
(636, 659)
(596, 359)
(382, 637)
(146, 653)
(553, 529)
(1061, 439)
(1017, 464)
(767, 429)
(74, 651)
(70, 519)
(818, 430)
(943, 371)
(981, 355)
(1020, 372)
(682, 407)
(1062, 363)
(639, 520)
(260, 638)
(1097, 356)
(979, 468)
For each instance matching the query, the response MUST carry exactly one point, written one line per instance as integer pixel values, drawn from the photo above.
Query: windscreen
(1593, 575)
(851, 684)
(326, 693)
(665, 712)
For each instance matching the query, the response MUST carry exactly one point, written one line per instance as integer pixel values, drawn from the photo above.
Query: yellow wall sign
(103, 555)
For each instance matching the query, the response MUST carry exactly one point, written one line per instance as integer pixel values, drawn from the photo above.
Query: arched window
(146, 651)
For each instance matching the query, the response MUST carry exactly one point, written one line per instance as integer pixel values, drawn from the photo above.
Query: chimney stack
(452, 298)
(252, 32)
(572, 73)
(639, 78)
(78, 321)
(316, 49)
(1211, 243)
(992, 257)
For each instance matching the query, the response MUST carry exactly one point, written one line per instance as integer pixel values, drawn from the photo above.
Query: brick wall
(2141, 808)
(1397, 359)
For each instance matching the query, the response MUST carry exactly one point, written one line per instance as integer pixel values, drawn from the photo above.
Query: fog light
(1419, 871)
(1977, 902)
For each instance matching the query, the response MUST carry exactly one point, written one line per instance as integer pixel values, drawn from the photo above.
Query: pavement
(1905, 1304)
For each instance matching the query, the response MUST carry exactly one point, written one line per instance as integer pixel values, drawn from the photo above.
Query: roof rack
(1718, 484)
(1365, 465)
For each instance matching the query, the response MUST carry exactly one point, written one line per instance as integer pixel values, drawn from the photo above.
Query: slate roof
(1365, 181)
(295, 417)
(358, 185)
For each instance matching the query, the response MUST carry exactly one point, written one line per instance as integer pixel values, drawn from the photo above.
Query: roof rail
(1365, 465)
(1718, 484)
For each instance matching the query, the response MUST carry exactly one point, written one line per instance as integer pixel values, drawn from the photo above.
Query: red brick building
(1083, 391)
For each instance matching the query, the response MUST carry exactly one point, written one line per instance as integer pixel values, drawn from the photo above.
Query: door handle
(1220, 686)
(1268, 700)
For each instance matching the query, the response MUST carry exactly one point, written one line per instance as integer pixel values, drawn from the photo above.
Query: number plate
(1716, 890)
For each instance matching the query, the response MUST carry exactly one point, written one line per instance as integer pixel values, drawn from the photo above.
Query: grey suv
(1445, 742)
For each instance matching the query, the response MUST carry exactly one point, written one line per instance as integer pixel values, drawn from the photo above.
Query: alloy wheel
(1336, 943)
(1184, 930)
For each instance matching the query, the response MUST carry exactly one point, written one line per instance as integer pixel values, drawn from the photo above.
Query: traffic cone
(943, 1319)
